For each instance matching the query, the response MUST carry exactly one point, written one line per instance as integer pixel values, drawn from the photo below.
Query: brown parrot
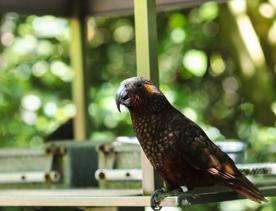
(176, 146)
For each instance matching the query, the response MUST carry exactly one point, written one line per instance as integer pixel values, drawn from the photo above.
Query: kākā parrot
(176, 146)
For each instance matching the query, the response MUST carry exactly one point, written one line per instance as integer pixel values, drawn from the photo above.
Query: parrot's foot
(160, 194)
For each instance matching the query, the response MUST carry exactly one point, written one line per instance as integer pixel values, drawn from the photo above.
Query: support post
(80, 83)
(147, 64)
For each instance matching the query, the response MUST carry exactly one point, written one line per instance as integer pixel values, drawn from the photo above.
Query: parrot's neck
(146, 124)
(150, 118)
(152, 106)
(148, 129)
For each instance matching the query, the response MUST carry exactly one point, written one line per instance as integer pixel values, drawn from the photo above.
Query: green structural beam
(147, 64)
(80, 84)
(146, 39)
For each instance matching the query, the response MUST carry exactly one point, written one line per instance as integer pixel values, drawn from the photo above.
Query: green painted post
(80, 83)
(146, 39)
(147, 64)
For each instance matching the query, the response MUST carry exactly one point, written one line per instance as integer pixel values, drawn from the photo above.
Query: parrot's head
(138, 94)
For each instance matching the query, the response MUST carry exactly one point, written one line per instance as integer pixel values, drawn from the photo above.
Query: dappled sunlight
(272, 34)
(31, 102)
(273, 108)
(217, 64)
(50, 109)
(50, 26)
(62, 70)
(178, 35)
(40, 68)
(7, 39)
(123, 33)
(196, 62)
(250, 40)
(190, 113)
(29, 117)
(267, 10)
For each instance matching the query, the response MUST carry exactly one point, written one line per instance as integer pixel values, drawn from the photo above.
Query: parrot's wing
(201, 153)
(198, 150)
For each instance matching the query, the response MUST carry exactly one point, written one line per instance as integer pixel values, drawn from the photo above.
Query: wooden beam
(110, 7)
(36, 7)
(109, 198)
(93, 7)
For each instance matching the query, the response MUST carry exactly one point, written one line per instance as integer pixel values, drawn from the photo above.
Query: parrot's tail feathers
(240, 184)
(244, 187)
(253, 195)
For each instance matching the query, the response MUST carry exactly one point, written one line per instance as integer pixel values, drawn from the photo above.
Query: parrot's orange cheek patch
(150, 88)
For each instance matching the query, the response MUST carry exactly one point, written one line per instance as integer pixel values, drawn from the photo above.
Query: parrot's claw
(156, 198)
(160, 194)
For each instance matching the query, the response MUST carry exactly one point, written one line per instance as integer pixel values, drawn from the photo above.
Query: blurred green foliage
(202, 72)
(199, 73)
(35, 78)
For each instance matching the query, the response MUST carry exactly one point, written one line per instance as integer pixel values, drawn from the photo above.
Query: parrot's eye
(139, 85)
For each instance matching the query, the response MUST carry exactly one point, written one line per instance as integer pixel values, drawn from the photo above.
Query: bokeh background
(217, 65)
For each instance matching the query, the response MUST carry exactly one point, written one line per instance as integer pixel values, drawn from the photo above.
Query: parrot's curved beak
(122, 97)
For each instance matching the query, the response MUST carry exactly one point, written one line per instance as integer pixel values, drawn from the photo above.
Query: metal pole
(147, 64)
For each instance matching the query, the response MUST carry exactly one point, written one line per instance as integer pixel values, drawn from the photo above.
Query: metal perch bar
(136, 174)
(258, 168)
